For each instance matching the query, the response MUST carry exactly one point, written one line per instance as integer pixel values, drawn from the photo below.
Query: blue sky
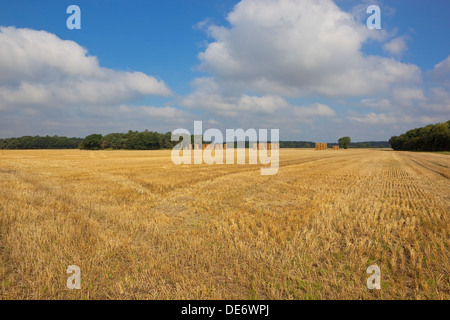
(309, 68)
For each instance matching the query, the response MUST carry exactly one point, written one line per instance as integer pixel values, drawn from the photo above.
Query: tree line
(434, 137)
(37, 142)
(370, 144)
(135, 140)
(132, 140)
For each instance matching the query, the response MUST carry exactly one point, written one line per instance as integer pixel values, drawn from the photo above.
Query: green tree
(440, 136)
(93, 142)
(344, 142)
(154, 141)
(115, 141)
(166, 141)
(429, 138)
(138, 141)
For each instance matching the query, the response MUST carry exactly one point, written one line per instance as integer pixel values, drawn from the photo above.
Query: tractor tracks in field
(428, 168)
(206, 177)
(427, 165)
(245, 169)
(165, 195)
(435, 181)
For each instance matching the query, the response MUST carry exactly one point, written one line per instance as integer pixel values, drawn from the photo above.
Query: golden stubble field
(140, 227)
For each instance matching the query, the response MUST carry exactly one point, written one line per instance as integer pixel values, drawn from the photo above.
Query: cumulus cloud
(377, 103)
(208, 97)
(294, 65)
(167, 113)
(52, 85)
(438, 97)
(317, 110)
(441, 73)
(404, 106)
(438, 103)
(273, 52)
(374, 118)
(85, 120)
(396, 47)
(406, 121)
(297, 48)
(38, 69)
(234, 106)
(408, 96)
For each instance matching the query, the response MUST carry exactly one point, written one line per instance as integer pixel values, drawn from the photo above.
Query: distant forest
(37, 142)
(135, 140)
(430, 138)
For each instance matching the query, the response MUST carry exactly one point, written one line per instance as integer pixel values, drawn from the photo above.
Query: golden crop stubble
(140, 227)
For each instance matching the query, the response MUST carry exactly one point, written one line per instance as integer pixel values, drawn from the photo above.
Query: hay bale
(321, 146)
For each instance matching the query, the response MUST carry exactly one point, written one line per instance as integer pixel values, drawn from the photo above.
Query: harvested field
(140, 227)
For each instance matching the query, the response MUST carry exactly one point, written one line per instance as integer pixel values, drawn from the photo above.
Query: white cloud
(397, 46)
(438, 103)
(167, 113)
(297, 48)
(374, 118)
(38, 69)
(52, 86)
(376, 103)
(213, 122)
(407, 97)
(273, 51)
(208, 97)
(317, 110)
(441, 73)
(101, 119)
(438, 98)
